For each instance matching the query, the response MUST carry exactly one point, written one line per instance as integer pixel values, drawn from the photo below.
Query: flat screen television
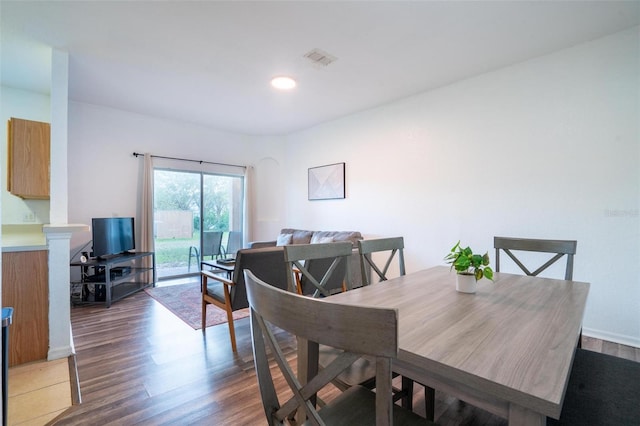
(112, 235)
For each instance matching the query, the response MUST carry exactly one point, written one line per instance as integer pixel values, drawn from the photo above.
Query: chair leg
(232, 331)
(429, 402)
(196, 255)
(204, 315)
(203, 290)
(407, 393)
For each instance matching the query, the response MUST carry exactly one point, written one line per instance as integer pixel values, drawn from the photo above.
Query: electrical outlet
(29, 217)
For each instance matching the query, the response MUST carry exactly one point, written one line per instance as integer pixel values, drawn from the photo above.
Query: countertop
(23, 238)
(33, 237)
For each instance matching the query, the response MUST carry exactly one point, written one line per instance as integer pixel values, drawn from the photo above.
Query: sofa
(302, 236)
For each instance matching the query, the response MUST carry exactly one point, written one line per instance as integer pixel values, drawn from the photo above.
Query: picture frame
(327, 182)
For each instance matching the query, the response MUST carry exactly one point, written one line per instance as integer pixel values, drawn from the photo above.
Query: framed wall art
(327, 182)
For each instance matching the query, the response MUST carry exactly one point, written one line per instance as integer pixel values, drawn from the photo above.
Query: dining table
(507, 349)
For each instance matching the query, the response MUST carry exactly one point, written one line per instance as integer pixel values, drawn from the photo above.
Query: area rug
(185, 302)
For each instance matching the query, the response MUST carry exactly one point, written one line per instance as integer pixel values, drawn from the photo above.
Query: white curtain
(147, 205)
(248, 205)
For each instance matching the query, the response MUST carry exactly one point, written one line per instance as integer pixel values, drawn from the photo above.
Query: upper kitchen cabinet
(28, 157)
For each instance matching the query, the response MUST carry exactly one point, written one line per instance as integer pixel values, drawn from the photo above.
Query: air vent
(319, 57)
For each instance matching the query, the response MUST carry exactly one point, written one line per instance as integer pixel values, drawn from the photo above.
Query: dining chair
(603, 390)
(344, 327)
(558, 248)
(230, 294)
(322, 268)
(391, 247)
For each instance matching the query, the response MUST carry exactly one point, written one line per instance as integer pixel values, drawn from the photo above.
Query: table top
(513, 340)
(229, 267)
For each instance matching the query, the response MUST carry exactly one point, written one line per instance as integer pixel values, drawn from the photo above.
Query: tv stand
(107, 280)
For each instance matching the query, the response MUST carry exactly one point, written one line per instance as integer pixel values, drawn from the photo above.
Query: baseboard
(612, 337)
(59, 352)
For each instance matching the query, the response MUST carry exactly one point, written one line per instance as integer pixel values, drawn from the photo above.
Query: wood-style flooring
(138, 364)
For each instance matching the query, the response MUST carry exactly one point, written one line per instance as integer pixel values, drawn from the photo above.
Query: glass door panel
(186, 203)
(176, 199)
(222, 198)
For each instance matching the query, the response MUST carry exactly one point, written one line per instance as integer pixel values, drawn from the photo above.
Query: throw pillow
(316, 239)
(284, 239)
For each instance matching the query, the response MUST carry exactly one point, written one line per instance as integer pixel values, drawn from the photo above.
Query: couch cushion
(351, 236)
(300, 236)
(319, 239)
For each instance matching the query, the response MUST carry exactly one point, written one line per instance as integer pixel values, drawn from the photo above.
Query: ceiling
(210, 62)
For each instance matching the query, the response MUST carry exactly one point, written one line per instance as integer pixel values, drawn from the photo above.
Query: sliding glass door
(197, 215)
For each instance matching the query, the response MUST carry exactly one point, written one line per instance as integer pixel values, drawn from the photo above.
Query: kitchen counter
(23, 238)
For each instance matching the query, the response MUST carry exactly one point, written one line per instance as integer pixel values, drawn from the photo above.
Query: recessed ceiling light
(283, 83)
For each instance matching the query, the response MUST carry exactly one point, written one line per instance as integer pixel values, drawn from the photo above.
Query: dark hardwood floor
(139, 364)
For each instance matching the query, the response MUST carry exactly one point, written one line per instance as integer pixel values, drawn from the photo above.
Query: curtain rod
(137, 154)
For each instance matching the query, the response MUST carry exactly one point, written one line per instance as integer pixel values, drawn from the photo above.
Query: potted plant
(469, 267)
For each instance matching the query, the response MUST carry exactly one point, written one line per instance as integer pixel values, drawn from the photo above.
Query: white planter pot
(466, 283)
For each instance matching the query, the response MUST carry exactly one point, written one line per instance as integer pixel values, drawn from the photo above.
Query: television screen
(112, 235)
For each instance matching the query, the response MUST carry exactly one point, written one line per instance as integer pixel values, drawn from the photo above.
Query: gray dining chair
(391, 246)
(559, 249)
(390, 249)
(350, 333)
(321, 270)
(318, 269)
(603, 390)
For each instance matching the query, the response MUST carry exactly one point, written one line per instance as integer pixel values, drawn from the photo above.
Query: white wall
(105, 178)
(548, 148)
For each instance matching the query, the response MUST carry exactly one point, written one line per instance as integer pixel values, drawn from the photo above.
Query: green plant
(465, 262)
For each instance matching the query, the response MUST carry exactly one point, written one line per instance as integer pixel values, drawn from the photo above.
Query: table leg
(521, 416)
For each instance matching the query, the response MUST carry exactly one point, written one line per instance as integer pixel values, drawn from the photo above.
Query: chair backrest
(559, 248)
(324, 268)
(366, 248)
(234, 243)
(346, 327)
(211, 243)
(266, 263)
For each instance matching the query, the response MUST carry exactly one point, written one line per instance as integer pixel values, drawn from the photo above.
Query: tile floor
(41, 391)
(38, 392)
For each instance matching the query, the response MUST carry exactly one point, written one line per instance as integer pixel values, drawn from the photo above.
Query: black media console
(110, 279)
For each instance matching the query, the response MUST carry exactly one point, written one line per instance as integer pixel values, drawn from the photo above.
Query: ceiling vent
(319, 57)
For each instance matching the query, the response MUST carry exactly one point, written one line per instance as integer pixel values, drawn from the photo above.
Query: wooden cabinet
(29, 152)
(25, 288)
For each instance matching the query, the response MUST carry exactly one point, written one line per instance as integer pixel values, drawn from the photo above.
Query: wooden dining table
(507, 349)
